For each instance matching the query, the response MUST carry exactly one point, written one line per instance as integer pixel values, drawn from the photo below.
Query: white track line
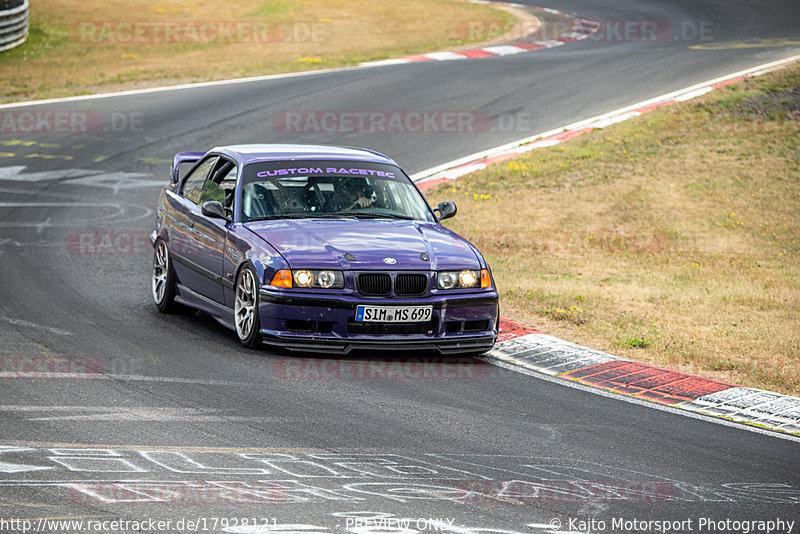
(640, 402)
(674, 95)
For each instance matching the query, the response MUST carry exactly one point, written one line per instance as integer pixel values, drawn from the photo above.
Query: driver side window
(193, 186)
(212, 187)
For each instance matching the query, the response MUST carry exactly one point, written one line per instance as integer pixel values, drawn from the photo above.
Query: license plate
(394, 314)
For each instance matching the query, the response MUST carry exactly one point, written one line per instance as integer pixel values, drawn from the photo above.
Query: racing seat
(229, 198)
(256, 202)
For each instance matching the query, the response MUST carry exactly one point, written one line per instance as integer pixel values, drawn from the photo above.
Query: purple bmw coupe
(318, 248)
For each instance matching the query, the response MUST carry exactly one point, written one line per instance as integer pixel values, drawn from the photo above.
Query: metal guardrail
(13, 23)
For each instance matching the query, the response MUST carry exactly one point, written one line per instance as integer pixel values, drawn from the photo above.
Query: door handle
(191, 223)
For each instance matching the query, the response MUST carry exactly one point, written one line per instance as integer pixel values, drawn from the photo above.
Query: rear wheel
(245, 309)
(163, 282)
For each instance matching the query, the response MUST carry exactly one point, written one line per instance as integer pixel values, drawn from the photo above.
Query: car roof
(245, 154)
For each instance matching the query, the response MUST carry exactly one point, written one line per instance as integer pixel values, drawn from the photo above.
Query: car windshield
(321, 189)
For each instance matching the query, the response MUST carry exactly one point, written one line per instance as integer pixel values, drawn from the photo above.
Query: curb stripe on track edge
(528, 348)
(525, 347)
(580, 28)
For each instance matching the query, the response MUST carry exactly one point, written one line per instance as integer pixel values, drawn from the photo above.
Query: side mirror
(446, 209)
(214, 209)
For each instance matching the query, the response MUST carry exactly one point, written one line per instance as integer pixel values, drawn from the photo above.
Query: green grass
(82, 48)
(273, 10)
(679, 230)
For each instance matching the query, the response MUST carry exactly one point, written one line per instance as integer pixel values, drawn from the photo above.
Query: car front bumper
(460, 323)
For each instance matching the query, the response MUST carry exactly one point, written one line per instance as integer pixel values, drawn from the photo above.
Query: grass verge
(672, 238)
(86, 47)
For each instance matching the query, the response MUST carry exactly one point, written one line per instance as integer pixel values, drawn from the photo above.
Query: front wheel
(163, 282)
(245, 309)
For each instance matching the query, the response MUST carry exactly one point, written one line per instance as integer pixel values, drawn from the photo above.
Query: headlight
(303, 278)
(326, 279)
(307, 278)
(447, 280)
(465, 279)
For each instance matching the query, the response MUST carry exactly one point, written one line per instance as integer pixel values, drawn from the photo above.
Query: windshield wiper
(368, 215)
(275, 217)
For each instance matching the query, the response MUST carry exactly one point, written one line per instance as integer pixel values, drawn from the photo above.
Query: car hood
(323, 243)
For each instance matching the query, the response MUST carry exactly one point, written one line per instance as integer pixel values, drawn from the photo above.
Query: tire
(245, 308)
(162, 285)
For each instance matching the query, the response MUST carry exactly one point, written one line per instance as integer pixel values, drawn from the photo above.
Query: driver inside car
(360, 194)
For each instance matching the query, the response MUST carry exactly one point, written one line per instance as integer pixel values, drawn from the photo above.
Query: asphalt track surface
(180, 408)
